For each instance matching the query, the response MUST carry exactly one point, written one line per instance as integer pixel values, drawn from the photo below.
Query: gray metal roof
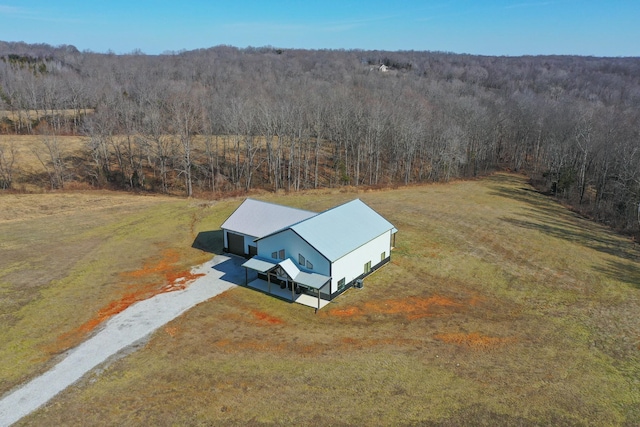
(340, 230)
(259, 264)
(290, 268)
(311, 280)
(257, 218)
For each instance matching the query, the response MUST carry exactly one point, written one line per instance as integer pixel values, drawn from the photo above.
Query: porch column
(293, 287)
(269, 281)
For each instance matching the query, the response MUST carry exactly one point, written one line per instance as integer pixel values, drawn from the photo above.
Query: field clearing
(499, 307)
(30, 175)
(70, 260)
(25, 146)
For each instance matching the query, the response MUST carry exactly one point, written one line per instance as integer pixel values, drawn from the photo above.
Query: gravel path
(119, 333)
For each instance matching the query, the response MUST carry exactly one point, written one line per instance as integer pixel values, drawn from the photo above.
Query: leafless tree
(52, 159)
(7, 165)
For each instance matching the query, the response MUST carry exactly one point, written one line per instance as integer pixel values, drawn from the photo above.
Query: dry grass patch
(87, 256)
(499, 308)
(30, 174)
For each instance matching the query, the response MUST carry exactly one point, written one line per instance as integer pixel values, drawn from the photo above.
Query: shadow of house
(209, 241)
(231, 267)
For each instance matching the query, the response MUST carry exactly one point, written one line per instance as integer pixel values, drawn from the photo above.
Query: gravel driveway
(119, 333)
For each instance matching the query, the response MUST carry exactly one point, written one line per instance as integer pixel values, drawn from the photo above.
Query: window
(383, 255)
(301, 260)
(367, 267)
(274, 255)
(341, 284)
(309, 265)
(281, 254)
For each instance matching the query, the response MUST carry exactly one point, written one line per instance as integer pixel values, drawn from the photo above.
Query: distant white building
(320, 254)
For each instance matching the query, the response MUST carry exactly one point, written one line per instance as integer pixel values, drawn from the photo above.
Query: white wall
(351, 265)
(293, 245)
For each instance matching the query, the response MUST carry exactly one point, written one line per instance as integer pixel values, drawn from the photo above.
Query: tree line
(230, 119)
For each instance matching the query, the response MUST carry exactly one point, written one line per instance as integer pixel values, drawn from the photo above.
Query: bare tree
(52, 160)
(7, 164)
(184, 108)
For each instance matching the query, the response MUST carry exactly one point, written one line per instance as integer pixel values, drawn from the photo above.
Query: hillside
(500, 307)
(225, 119)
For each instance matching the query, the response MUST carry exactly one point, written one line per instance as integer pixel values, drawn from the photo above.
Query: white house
(319, 254)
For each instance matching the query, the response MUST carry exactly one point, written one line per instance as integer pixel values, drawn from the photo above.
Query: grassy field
(29, 173)
(70, 260)
(499, 307)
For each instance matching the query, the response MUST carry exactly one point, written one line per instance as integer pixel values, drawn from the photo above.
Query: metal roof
(311, 280)
(257, 218)
(259, 264)
(290, 268)
(340, 230)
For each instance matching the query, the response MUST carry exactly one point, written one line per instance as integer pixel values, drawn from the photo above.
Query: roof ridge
(278, 204)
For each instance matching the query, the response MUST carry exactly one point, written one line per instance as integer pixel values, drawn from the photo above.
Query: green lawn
(499, 307)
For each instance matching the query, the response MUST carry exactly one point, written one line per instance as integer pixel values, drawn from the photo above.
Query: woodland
(228, 120)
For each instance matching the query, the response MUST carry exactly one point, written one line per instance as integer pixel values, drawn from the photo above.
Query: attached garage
(254, 219)
(235, 243)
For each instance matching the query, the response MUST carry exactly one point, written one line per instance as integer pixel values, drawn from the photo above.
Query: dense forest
(228, 119)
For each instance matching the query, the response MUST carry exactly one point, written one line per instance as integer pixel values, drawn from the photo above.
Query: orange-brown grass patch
(171, 330)
(172, 280)
(345, 312)
(474, 340)
(266, 318)
(411, 307)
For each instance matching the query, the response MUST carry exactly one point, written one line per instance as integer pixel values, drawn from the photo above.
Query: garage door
(236, 243)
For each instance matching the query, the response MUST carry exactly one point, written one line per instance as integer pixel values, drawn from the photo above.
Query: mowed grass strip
(499, 307)
(69, 261)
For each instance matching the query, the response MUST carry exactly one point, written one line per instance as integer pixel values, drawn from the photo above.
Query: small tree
(52, 160)
(7, 161)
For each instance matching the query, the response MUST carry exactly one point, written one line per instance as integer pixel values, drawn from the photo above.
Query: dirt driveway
(120, 333)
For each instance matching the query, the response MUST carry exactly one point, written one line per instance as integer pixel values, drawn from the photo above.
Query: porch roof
(311, 280)
(259, 264)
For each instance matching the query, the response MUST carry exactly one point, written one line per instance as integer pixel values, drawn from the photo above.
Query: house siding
(351, 266)
(294, 245)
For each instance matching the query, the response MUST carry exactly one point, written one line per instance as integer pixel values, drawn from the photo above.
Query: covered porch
(284, 280)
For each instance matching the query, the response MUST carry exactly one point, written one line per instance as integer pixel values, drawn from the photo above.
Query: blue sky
(492, 27)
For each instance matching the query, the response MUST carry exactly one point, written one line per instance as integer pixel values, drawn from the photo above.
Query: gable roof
(289, 267)
(257, 218)
(312, 280)
(338, 231)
